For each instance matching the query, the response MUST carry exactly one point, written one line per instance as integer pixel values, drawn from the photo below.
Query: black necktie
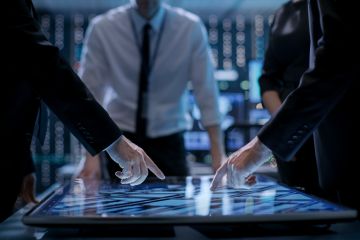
(141, 120)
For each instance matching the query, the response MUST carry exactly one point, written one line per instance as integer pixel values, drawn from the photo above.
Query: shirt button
(290, 142)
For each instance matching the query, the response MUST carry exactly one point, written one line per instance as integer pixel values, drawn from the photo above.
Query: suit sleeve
(56, 83)
(321, 87)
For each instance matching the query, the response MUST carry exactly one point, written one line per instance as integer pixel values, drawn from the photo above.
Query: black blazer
(32, 70)
(324, 103)
(287, 54)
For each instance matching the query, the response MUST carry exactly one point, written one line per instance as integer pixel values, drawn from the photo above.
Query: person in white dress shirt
(179, 54)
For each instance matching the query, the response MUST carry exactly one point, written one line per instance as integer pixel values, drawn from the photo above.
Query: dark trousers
(168, 153)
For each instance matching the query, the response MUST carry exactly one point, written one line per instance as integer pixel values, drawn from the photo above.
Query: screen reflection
(190, 196)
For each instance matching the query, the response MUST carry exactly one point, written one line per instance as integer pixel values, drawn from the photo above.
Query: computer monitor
(257, 114)
(231, 106)
(179, 201)
(255, 69)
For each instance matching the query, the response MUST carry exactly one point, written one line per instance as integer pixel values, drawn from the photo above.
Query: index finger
(220, 173)
(152, 167)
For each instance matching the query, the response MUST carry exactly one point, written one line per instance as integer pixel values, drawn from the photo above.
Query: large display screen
(180, 200)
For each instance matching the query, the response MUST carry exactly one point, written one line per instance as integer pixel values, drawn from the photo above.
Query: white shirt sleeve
(202, 78)
(93, 63)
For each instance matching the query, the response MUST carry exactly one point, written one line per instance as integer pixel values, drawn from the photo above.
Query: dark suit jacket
(287, 54)
(286, 59)
(324, 103)
(33, 70)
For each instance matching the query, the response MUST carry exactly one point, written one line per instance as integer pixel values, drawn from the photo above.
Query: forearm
(53, 80)
(271, 101)
(217, 149)
(321, 88)
(68, 97)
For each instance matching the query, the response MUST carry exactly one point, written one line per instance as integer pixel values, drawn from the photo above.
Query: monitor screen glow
(180, 200)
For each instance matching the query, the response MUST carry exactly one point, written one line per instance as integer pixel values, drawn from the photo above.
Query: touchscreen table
(180, 201)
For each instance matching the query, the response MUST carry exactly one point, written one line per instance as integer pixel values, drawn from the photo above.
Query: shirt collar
(140, 21)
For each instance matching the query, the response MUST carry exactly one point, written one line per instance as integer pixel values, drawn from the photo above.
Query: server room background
(237, 31)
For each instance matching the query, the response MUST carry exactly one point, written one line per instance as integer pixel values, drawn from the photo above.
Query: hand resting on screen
(90, 168)
(134, 162)
(27, 192)
(241, 164)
